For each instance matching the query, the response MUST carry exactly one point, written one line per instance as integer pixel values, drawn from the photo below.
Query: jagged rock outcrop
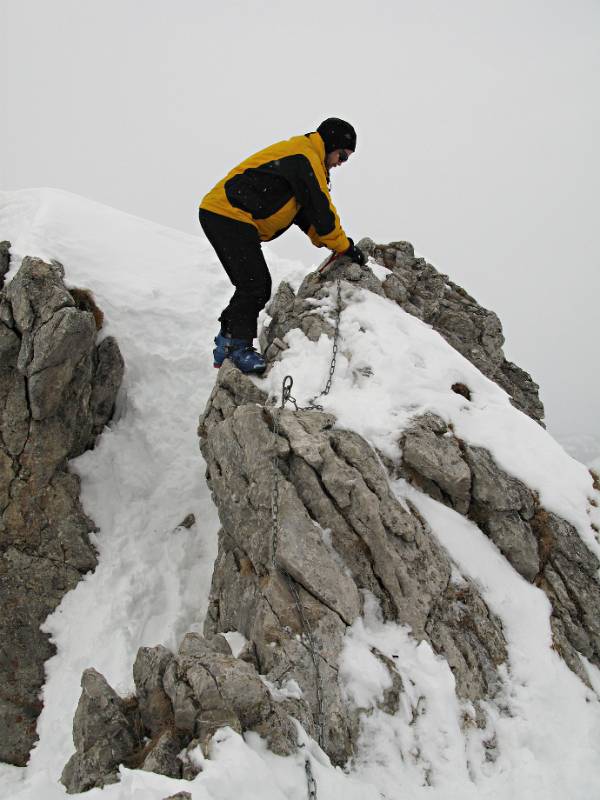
(464, 477)
(57, 391)
(180, 702)
(310, 530)
(423, 292)
(542, 547)
(293, 591)
(106, 734)
(471, 329)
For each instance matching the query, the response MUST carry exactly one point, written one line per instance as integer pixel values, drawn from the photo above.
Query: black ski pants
(237, 246)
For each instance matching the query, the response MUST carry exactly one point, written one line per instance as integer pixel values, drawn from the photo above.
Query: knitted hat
(337, 135)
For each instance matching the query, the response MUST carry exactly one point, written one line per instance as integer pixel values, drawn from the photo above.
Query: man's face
(337, 157)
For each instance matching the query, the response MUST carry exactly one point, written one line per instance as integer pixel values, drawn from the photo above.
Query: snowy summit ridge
(424, 598)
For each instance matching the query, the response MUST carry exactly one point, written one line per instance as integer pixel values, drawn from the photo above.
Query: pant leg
(237, 246)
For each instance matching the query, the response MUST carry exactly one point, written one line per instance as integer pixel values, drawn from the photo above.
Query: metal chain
(288, 381)
(287, 384)
(286, 396)
(275, 495)
(315, 659)
(310, 780)
(336, 336)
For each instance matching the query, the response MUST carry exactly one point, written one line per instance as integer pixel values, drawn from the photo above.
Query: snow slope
(161, 292)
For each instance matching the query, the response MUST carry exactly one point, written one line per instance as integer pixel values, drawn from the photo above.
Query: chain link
(310, 780)
(286, 397)
(275, 467)
(288, 381)
(315, 659)
(336, 336)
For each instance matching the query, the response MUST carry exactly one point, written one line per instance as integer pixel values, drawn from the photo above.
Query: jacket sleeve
(312, 194)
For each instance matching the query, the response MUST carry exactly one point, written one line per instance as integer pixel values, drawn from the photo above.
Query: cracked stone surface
(57, 391)
(341, 532)
(542, 547)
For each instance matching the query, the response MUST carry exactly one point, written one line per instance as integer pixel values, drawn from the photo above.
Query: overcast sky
(478, 136)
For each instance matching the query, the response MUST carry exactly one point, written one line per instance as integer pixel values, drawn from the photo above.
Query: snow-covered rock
(418, 733)
(57, 392)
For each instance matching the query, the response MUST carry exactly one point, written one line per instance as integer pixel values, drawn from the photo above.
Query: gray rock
(148, 674)
(289, 311)
(493, 488)
(430, 452)
(471, 329)
(108, 376)
(210, 690)
(341, 531)
(568, 575)
(179, 796)
(181, 701)
(187, 522)
(104, 736)
(47, 358)
(162, 757)
(421, 291)
(59, 346)
(542, 547)
(475, 653)
(4, 261)
(514, 537)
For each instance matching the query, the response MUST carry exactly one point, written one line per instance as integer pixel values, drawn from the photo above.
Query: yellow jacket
(283, 184)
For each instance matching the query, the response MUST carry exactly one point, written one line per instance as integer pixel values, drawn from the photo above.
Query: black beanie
(337, 135)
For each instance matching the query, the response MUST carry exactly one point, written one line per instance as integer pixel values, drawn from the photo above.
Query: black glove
(355, 254)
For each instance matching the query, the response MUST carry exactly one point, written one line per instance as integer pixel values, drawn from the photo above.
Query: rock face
(471, 329)
(293, 589)
(291, 576)
(57, 391)
(542, 547)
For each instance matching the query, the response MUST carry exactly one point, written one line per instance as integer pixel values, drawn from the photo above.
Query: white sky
(478, 127)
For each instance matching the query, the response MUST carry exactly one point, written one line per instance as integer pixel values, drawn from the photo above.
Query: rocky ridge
(310, 532)
(57, 391)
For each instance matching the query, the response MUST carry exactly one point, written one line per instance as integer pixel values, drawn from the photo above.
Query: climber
(284, 184)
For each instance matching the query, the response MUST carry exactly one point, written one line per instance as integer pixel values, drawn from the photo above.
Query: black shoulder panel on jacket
(263, 190)
(259, 191)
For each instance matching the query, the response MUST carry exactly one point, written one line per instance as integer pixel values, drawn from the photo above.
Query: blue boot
(240, 352)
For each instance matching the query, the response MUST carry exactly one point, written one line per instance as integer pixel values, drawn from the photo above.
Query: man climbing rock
(284, 184)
